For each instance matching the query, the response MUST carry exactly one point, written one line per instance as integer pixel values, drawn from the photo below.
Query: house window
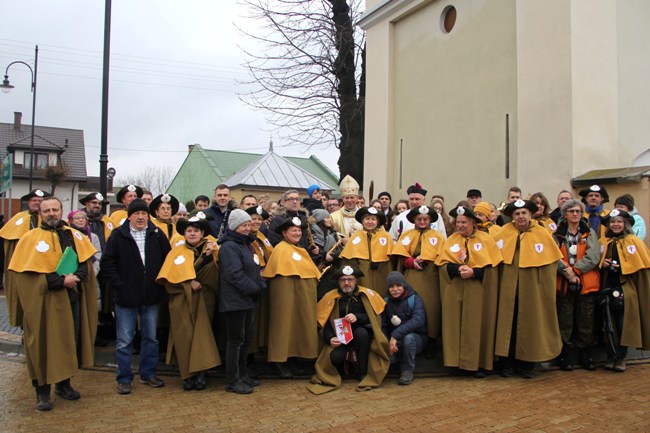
(448, 19)
(41, 160)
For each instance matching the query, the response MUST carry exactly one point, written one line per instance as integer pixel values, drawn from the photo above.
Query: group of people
(337, 286)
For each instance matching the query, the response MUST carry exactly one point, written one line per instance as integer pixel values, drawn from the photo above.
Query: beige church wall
(544, 97)
(633, 47)
(451, 96)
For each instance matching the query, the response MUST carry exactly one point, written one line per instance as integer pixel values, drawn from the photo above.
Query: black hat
(137, 205)
(94, 196)
(395, 277)
(258, 210)
(361, 213)
(594, 188)
(199, 220)
(129, 188)
(385, 193)
(346, 271)
(163, 198)
(290, 222)
(626, 200)
(464, 210)
(626, 216)
(519, 204)
(474, 193)
(35, 193)
(416, 189)
(422, 210)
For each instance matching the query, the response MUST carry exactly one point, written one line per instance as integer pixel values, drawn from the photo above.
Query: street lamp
(6, 88)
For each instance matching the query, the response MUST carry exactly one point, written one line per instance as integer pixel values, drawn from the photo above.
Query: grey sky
(174, 67)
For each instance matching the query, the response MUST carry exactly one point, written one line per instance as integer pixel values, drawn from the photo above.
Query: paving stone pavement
(554, 401)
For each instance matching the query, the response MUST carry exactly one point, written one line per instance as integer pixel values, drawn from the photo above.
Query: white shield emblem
(553, 226)
(406, 241)
(267, 243)
(454, 248)
(539, 247)
(179, 260)
(256, 259)
(297, 257)
(77, 235)
(383, 241)
(180, 242)
(433, 241)
(500, 244)
(356, 240)
(110, 226)
(477, 247)
(631, 249)
(42, 247)
(19, 221)
(602, 249)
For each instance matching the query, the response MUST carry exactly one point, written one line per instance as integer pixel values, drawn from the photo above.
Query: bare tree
(155, 179)
(308, 74)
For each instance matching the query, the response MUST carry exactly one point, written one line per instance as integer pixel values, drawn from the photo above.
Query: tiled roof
(275, 171)
(617, 175)
(68, 142)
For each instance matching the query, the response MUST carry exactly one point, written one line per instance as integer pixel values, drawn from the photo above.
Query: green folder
(69, 262)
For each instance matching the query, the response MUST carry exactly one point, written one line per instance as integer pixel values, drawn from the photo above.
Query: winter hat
(312, 188)
(385, 193)
(319, 214)
(626, 200)
(137, 205)
(395, 277)
(484, 208)
(236, 218)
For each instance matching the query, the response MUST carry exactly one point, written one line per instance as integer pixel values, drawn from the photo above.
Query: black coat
(133, 283)
(219, 223)
(240, 279)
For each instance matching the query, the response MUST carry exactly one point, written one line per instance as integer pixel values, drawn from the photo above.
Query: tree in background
(155, 179)
(309, 74)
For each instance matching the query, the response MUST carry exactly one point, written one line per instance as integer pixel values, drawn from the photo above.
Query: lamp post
(6, 88)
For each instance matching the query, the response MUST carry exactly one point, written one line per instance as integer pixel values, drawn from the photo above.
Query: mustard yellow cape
(327, 377)
(118, 217)
(536, 245)
(381, 246)
(17, 226)
(483, 250)
(263, 248)
(179, 265)
(547, 223)
(290, 260)
(51, 352)
(489, 228)
(632, 252)
(432, 240)
(40, 250)
(166, 228)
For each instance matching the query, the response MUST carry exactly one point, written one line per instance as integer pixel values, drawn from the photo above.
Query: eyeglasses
(80, 217)
(292, 199)
(347, 279)
(574, 211)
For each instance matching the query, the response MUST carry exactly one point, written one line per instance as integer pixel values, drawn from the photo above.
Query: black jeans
(240, 326)
(361, 342)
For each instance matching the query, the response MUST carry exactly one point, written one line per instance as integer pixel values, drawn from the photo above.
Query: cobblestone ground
(553, 401)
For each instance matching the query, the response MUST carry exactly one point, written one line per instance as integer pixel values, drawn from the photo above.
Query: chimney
(190, 147)
(18, 116)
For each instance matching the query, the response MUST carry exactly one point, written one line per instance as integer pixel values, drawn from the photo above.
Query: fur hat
(416, 189)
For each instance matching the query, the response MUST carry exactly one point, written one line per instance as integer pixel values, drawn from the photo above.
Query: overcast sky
(174, 66)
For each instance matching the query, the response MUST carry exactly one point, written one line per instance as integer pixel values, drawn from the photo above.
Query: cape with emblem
(292, 303)
(528, 274)
(191, 313)
(50, 349)
(169, 230)
(635, 280)
(426, 283)
(118, 217)
(469, 305)
(11, 232)
(370, 253)
(263, 249)
(327, 377)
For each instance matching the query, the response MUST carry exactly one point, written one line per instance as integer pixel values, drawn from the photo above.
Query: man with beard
(58, 297)
(594, 198)
(98, 223)
(10, 233)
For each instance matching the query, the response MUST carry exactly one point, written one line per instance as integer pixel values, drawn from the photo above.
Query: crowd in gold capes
(370, 252)
(546, 222)
(292, 303)
(635, 279)
(528, 275)
(191, 339)
(489, 228)
(169, 230)
(11, 232)
(426, 244)
(118, 217)
(52, 355)
(327, 377)
(263, 249)
(469, 306)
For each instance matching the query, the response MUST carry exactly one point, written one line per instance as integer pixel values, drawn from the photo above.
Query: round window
(448, 19)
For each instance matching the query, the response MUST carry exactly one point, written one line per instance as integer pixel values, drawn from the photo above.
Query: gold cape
(483, 250)
(191, 340)
(263, 248)
(327, 377)
(51, 354)
(632, 252)
(290, 260)
(381, 245)
(17, 226)
(536, 245)
(165, 229)
(118, 217)
(432, 240)
(40, 250)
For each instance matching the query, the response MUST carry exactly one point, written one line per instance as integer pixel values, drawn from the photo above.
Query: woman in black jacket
(240, 287)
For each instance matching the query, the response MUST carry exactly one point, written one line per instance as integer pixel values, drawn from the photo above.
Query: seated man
(361, 308)
(405, 323)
